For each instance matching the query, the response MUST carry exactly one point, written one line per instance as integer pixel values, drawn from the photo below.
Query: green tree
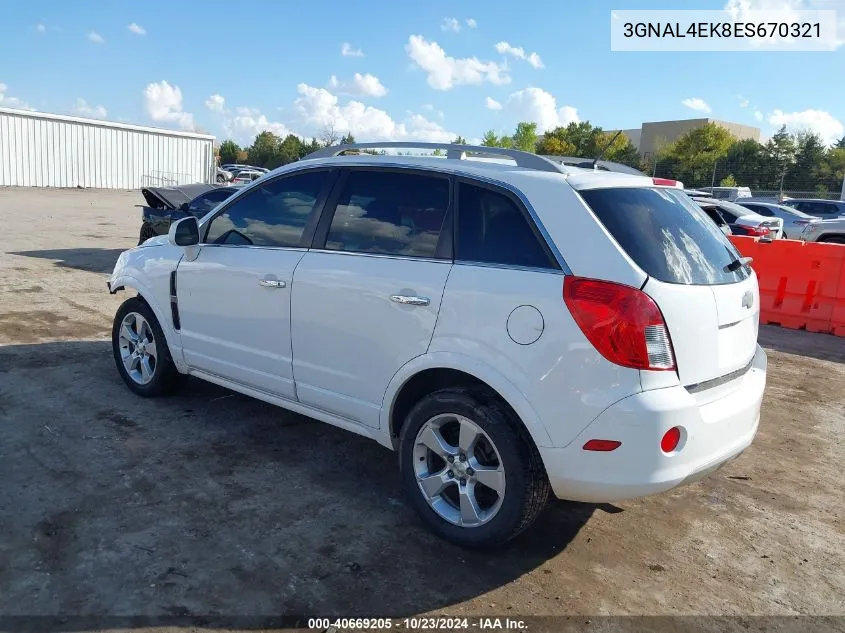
(262, 152)
(229, 151)
(728, 181)
(809, 157)
(552, 145)
(780, 150)
(491, 139)
(840, 144)
(525, 137)
(746, 160)
(460, 140)
(348, 139)
(698, 152)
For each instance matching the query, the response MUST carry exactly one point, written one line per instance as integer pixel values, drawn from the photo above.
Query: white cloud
(492, 104)
(163, 103)
(450, 24)
(40, 28)
(12, 102)
(471, 23)
(347, 51)
(249, 122)
(517, 51)
(359, 86)
(97, 112)
(758, 115)
(95, 37)
(699, 105)
(138, 30)
(445, 72)
(317, 108)
(820, 122)
(743, 102)
(216, 103)
(537, 105)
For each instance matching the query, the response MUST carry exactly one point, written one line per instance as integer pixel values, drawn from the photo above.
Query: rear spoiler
(668, 182)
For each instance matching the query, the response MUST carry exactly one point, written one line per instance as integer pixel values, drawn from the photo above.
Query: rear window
(666, 234)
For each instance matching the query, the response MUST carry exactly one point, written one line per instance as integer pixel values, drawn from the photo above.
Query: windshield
(666, 234)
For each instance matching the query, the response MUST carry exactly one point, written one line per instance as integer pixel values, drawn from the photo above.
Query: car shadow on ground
(94, 260)
(209, 503)
(803, 343)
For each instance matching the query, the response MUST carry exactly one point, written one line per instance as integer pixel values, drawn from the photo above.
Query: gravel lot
(212, 503)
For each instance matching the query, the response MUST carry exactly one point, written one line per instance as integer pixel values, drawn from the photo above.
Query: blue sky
(425, 70)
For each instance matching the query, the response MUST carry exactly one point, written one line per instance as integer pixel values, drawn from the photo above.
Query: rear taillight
(622, 323)
(757, 231)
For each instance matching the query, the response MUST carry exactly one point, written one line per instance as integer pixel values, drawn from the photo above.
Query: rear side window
(666, 234)
(493, 229)
(760, 210)
(390, 213)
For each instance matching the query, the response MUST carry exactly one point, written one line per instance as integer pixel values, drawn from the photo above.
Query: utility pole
(842, 194)
(713, 178)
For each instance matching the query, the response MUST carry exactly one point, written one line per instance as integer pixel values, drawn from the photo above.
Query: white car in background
(731, 194)
(832, 231)
(794, 221)
(510, 330)
(743, 221)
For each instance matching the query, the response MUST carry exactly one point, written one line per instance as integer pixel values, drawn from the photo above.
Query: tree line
(701, 157)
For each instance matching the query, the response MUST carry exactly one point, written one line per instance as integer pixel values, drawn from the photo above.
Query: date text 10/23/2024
(418, 624)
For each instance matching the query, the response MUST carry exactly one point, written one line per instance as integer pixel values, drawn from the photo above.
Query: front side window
(206, 202)
(493, 229)
(389, 213)
(274, 214)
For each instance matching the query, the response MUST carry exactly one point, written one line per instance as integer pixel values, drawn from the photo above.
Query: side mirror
(184, 232)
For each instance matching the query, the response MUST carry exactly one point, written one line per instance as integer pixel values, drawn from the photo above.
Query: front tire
(140, 350)
(146, 233)
(470, 469)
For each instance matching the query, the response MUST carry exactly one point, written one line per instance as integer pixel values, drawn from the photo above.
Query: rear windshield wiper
(737, 264)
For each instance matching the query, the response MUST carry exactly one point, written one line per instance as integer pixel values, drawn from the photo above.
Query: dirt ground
(211, 503)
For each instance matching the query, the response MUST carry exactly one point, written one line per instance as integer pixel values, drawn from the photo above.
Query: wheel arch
(425, 374)
(146, 295)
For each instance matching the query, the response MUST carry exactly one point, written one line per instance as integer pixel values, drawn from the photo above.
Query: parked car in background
(609, 165)
(234, 167)
(510, 330)
(825, 231)
(727, 193)
(167, 204)
(794, 221)
(817, 207)
(246, 176)
(222, 176)
(741, 220)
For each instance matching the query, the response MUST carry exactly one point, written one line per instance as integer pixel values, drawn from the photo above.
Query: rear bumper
(716, 426)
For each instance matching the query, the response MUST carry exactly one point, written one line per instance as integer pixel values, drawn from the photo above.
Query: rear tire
(221, 178)
(495, 485)
(140, 351)
(146, 233)
(836, 239)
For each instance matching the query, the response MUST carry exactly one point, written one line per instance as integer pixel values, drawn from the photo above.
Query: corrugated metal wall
(45, 150)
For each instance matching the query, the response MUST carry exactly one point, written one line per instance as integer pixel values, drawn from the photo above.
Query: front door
(234, 297)
(365, 302)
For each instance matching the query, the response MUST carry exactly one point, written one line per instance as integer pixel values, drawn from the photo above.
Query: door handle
(410, 301)
(271, 283)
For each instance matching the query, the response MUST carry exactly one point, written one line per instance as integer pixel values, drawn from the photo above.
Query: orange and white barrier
(802, 284)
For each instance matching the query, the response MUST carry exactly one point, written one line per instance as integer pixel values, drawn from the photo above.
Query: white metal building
(53, 150)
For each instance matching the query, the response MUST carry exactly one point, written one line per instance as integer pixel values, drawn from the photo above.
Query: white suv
(509, 329)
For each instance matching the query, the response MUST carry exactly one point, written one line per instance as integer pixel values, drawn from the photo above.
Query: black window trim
(445, 242)
(522, 206)
(310, 226)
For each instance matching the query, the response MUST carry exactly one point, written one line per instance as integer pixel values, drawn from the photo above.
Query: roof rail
(457, 152)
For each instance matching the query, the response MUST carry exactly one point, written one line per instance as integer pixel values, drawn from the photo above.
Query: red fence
(802, 284)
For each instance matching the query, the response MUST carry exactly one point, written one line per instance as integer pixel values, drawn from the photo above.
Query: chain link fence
(764, 178)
